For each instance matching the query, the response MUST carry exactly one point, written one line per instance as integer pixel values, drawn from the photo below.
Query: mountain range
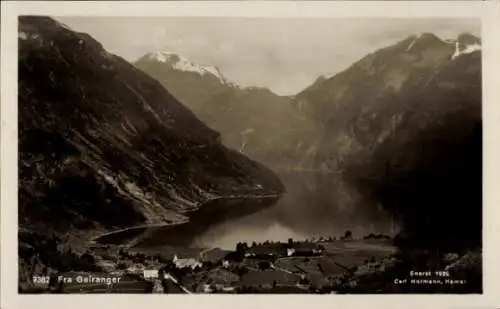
(236, 112)
(368, 123)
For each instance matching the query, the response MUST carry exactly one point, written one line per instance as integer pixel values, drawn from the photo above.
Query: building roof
(183, 263)
(305, 246)
(213, 255)
(266, 249)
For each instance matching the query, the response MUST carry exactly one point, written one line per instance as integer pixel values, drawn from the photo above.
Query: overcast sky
(285, 55)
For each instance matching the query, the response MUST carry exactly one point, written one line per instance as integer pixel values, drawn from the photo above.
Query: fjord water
(316, 204)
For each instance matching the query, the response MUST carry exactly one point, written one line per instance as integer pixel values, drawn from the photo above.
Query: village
(306, 266)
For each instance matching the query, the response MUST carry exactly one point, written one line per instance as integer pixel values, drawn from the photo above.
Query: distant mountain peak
(179, 63)
(466, 43)
(429, 36)
(466, 38)
(423, 41)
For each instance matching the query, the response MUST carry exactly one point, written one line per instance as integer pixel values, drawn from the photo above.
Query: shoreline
(95, 239)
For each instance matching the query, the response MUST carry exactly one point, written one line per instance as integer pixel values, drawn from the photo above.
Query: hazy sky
(283, 54)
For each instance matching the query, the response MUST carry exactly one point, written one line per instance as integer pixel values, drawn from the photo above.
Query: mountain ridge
(177, 62)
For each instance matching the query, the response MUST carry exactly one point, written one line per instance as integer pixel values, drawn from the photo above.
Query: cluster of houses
(267, 252)
(254, 266)
(261, 252)
(285, 250)
(244, 257)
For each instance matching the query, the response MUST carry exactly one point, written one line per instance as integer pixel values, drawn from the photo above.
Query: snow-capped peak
(423, 40)
(182, 64)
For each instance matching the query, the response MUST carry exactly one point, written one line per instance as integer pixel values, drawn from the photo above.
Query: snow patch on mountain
(466, 50)
(182, 64)
(471, 48)
(413, 42)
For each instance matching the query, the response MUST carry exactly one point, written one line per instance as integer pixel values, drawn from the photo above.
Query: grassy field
(268, 277)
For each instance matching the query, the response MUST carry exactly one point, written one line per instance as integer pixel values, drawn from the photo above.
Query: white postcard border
(488, 11)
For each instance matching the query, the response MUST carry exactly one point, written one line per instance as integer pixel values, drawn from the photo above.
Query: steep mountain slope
(260, 124)
(404, 126)
(103, 146)
(362, 90)
(252, 120)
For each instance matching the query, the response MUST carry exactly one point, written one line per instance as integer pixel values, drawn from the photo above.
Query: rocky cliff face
(104, 146)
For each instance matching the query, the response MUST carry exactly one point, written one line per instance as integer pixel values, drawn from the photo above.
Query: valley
(166, 165)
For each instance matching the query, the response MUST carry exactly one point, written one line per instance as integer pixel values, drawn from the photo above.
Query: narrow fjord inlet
(252, 170)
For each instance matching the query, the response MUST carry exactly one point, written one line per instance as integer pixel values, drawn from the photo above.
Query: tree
(149, 287)
(347, 234)
(242, 270)
(264, 265)
(165, 286)
(290, 241)
(304, 281)
(241, 247)
(53, 281)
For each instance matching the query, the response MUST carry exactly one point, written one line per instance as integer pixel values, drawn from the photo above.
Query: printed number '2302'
(41, 279)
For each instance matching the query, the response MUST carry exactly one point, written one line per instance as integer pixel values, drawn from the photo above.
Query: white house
(184, 263)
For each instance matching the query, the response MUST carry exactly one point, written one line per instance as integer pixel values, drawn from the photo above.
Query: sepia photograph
(249, 155)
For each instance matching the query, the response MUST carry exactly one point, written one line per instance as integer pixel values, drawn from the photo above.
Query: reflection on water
(211, 213)
(315, 205)
(226, 235)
